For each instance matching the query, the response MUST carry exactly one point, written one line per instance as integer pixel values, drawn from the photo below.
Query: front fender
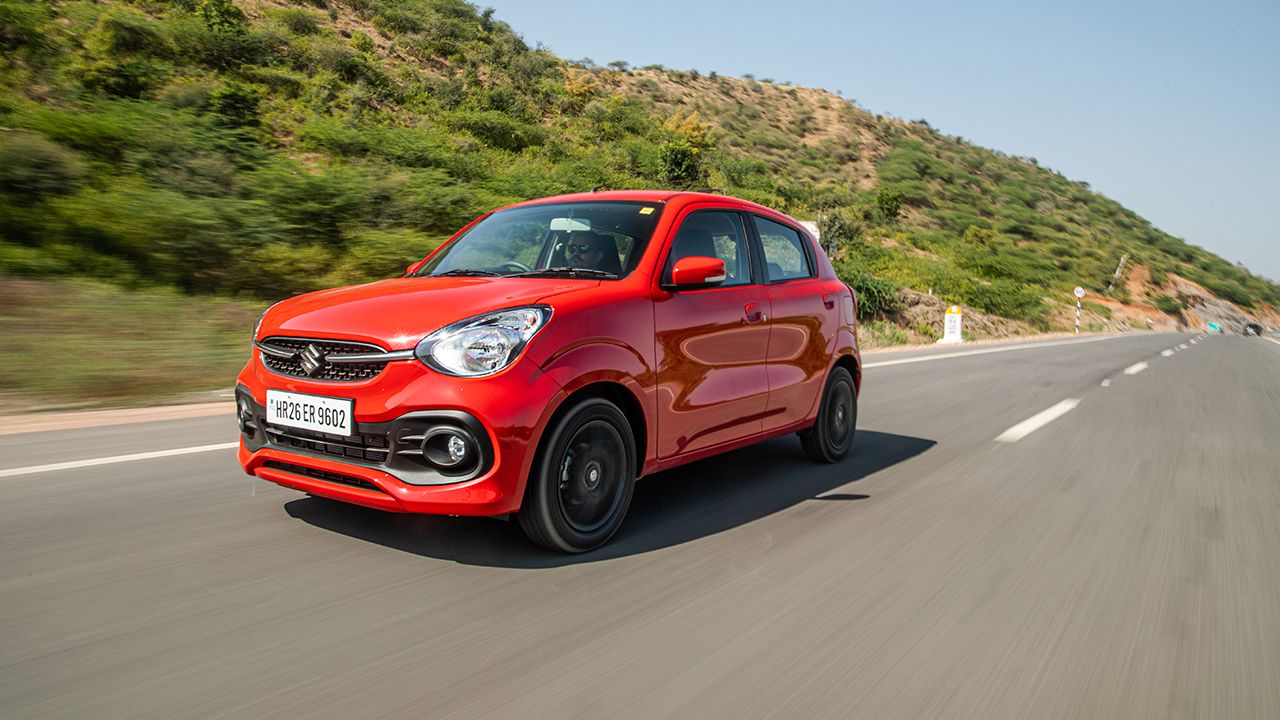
(607, 360)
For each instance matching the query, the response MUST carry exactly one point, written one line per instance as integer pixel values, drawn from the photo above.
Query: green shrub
(498, 130)
(889, 202)
(196, 42)
(221, 15)
(121, 31)
(681, 163)
(361, 41)
(24, 27)
(877, 297)
(1008, 298)
(375, 254)
(298, 21)
(927, 330)
(236, 105)
(881, 333)
(31, 166)
(1167, 305)
(840, 227)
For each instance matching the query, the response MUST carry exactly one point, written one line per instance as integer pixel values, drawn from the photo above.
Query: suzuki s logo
(312, 359)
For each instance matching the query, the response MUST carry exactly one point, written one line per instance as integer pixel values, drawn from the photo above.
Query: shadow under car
(669, 508)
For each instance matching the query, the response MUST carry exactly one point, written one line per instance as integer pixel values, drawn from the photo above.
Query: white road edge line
(1009, 348)
(1037, 421)
(1136, 368)
(1166, 353)
(32, 469)
(1272, 340)
(1106, 383)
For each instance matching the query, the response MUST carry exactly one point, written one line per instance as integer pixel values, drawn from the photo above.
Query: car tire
(831, 436)
(582, 480)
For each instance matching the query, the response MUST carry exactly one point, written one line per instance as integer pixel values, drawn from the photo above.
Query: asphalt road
(1120, 561)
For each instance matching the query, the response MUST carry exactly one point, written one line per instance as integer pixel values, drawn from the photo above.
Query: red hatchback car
(551, 353)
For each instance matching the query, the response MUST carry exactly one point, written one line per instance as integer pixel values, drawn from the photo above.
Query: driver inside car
(592, 251)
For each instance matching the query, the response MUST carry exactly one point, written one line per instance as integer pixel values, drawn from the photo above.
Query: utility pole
(1119, 269)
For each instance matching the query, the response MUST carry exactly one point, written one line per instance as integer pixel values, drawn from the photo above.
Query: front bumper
(505, 413)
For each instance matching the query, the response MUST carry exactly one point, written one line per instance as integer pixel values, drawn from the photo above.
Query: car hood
(397, 313)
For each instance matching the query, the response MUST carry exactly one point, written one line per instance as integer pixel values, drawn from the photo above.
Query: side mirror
(697, 271)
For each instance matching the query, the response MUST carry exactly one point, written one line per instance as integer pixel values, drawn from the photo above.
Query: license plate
(310, 412)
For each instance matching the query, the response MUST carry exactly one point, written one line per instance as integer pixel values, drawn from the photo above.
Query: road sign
(952, 326)
(1079, 292)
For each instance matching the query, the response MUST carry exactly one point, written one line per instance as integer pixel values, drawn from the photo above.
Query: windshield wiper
(568, 272)
(464, 272)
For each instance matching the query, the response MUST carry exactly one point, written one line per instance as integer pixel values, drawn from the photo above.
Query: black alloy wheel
(582, 481)
(831, 436)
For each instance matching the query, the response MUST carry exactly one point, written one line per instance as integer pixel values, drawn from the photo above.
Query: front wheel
(832, 434)
(581, 485)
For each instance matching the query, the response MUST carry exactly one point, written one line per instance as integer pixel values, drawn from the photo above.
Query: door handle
(829, 301)
(754, 314)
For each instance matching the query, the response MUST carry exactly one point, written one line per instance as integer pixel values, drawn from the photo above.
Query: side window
(784, 254)
(714, 234)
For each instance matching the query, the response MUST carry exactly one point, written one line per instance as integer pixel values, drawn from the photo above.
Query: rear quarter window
(784, 251)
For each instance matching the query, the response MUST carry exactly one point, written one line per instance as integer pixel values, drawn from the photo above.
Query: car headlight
(482, 345)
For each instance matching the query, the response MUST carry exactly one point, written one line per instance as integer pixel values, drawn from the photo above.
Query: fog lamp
(449, 448)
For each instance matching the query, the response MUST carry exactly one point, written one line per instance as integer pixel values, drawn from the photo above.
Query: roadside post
(952, 326)
(1079, 293)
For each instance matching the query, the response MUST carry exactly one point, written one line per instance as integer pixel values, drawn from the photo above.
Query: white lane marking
(1135, 368)
(1193, 341)
(1166, 353)
(1183, 346)
(1106, 383)
(1037, 421)
(32, 469)
(1008, 348)
(1272, 340)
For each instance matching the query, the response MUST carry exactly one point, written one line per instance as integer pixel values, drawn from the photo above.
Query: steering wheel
(518, 266)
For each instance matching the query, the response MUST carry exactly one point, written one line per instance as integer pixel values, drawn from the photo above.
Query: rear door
(711, 344)
(803, 320)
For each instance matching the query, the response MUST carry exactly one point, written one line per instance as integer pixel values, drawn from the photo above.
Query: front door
(711, 343)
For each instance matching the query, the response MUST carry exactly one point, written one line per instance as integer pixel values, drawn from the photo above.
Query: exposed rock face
(1203, 307)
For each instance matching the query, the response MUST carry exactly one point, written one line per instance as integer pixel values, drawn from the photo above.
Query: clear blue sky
(1171, 108)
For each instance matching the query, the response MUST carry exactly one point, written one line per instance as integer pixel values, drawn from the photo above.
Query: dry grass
(82, 342)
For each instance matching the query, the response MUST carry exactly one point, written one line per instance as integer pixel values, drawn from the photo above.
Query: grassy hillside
(260, 148)
(924, 209)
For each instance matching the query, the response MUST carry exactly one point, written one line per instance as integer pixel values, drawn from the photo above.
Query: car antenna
(597, 188)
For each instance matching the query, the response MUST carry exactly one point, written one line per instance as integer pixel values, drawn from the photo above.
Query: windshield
(586, 239)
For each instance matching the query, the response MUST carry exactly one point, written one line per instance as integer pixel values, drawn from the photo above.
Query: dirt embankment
(920, 310)
(1199, 305)
(921, 316)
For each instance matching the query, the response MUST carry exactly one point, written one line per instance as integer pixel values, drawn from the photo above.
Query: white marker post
(1079, 293)
(952, 327)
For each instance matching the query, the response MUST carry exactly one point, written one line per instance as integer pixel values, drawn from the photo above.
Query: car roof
(655, 196)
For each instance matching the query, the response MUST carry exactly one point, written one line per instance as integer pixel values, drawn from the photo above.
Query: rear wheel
(581, 484)
(831, 436)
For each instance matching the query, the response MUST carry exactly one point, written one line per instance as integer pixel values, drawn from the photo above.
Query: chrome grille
(292, 365)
